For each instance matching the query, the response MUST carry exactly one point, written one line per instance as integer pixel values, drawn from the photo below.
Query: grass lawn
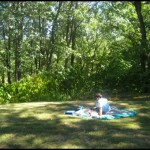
(44, 125)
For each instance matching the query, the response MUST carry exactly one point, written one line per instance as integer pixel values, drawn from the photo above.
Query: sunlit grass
(44, 125)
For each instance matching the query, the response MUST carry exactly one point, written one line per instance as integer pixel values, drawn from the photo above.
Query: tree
(143, 55)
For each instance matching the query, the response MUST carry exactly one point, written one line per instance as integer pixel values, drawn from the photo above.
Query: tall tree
(143, 55)
(7, 41)
(53, 32)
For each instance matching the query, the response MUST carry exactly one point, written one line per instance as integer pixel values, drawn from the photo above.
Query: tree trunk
(143, 55)
(68, 41)
(74, 28)
(18, 40)
(52, 41)
(7, 59)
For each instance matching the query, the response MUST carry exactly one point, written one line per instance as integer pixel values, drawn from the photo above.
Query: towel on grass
(114, 113)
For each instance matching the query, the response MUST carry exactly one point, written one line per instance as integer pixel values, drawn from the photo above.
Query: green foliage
(28, 89)
(104, 39)
(4, 94)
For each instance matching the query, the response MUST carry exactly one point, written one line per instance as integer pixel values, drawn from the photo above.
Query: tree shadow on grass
(61, 131)
(131, 97)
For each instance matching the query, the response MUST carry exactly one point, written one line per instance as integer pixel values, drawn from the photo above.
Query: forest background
(66, 50)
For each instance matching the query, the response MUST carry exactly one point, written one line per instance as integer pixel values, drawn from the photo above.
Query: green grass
(44, 125)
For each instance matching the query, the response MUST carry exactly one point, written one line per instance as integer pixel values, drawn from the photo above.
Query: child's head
(98, 95)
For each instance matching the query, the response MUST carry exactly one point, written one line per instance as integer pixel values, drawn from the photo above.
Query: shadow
(22, 127)
(131, 97)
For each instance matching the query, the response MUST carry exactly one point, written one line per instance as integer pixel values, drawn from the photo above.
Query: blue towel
(112, 114)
